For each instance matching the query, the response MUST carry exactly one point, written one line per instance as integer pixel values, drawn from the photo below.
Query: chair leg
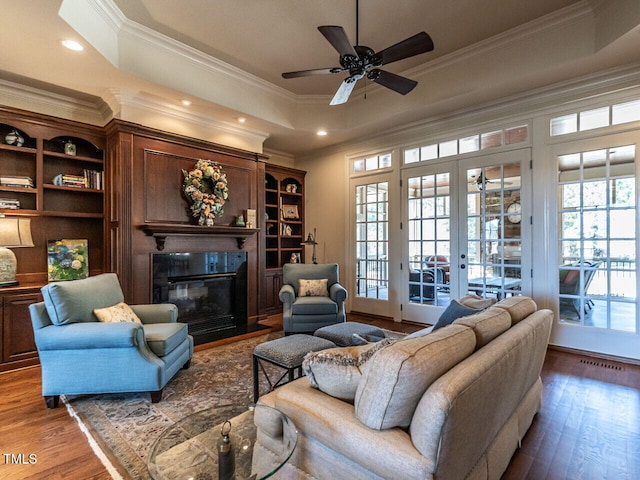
(156, 396)
(256, 381)
(52, 401)
(187, 365)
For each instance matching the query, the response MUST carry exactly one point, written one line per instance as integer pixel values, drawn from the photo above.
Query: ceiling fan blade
(317, 71)
(390, 80)
(338, 38)
(342, 95)
(419, 43)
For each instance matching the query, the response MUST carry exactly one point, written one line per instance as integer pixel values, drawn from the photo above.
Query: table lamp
(14, 232)
(311, 241)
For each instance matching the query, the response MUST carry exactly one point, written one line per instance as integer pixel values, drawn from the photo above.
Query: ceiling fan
(361, 61)
(482, 180)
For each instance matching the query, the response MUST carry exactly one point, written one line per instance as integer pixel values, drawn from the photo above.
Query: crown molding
(548, 100)
(49, 103)
(129, 105)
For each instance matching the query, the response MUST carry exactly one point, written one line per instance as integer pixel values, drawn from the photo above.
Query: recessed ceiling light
(321, 133)
(73, 45)
(186, 103)
(242, 119)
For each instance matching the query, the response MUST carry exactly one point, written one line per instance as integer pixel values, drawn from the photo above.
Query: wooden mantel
(160, 231)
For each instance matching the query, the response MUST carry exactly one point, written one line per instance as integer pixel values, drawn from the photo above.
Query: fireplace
(209, 289)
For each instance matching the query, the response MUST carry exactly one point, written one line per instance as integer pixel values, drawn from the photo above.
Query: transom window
(373, 163)
(596, 118)
(471, 143)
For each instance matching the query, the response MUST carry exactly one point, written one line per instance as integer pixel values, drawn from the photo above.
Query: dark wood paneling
(150, 171)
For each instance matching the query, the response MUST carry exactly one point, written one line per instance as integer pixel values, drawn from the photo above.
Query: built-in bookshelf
(284, 226)
(34, 150)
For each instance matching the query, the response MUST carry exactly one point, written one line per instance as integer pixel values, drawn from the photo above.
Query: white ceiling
(237, 49)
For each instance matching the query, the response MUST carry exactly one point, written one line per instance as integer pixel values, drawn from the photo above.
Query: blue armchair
(81, 355)
(308, 312)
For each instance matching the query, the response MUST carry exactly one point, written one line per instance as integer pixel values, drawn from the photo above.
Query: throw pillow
(337, 371)
(475, 301)
(453, 312)
(313, 288)
(120, 312)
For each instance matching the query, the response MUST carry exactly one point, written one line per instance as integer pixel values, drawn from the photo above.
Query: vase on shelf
(14, 138)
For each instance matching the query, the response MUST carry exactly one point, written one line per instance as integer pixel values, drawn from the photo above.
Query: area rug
(122, 428)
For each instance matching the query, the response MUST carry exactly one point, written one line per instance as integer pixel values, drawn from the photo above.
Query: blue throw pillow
(453, 312)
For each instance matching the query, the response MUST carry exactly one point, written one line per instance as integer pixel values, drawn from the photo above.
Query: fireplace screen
(209, 289)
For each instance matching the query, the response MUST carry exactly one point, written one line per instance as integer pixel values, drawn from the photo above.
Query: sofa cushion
(120, 312)
(337, 371)
(397, 376)
(163, 338)
(314, 306)
(74, 301)
(487, 324)
(313, 288)
(453, 312)
(519, 307)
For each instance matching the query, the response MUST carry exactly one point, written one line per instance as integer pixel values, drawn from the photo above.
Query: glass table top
(194, 448)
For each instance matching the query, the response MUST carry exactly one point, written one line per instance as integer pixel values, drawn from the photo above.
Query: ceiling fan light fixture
(361, 61)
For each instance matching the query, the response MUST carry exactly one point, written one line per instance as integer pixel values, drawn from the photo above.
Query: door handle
(463, 266)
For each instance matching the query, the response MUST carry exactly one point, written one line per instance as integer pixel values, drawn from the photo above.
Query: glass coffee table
(189, 448)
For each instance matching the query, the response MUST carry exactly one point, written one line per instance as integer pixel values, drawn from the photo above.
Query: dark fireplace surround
(209, 289)
(147, 214)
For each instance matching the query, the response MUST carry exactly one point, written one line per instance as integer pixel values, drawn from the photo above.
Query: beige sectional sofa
(451, 404)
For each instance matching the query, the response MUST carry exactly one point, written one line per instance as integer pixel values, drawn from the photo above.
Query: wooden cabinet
(18, 345)
(31, 171)
(284, 226)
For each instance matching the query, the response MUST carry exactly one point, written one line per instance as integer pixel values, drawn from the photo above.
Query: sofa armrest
(332, 423)
(338, 293)
(156, 313)
(287, 294)
(89, 335)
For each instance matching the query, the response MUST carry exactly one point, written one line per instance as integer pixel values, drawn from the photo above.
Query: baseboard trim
(601, 356)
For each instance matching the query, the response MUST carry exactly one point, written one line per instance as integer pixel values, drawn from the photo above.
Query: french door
(595, 275)
(466, 224)
(374, 201)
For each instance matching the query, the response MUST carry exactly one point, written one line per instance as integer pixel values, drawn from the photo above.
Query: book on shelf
(10, 203)
(16, 181)
(88, 179)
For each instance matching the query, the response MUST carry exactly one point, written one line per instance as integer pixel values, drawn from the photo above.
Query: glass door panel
(429, 222)
(597, 238)
(493, 236)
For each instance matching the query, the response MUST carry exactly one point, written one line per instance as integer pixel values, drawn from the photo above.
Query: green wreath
(205, 187)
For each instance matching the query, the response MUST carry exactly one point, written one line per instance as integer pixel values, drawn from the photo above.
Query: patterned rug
(124, 427)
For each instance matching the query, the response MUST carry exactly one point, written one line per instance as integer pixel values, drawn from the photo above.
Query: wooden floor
(588, 428)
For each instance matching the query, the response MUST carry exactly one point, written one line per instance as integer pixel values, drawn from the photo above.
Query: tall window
(429, 208)
(597, 235)
(372, 240)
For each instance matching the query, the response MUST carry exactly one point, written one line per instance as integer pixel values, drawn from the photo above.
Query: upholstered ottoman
(288, 353)
(342, 333)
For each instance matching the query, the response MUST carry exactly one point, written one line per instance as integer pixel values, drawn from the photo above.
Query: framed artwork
(67, 259)
(290, 212)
